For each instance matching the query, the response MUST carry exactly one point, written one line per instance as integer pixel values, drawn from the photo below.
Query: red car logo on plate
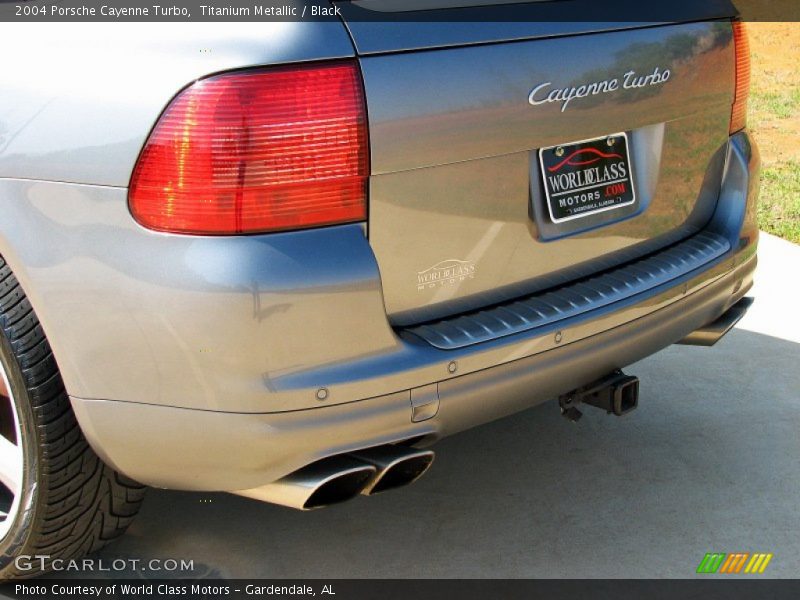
(572, 159)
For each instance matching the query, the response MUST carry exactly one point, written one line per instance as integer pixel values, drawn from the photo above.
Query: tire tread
(82, 503)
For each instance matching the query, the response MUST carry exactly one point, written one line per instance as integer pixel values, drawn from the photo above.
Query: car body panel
(77, 103)
(259, 324)
(384, 26)
(455, 178)
(203, 450)
(223, 363)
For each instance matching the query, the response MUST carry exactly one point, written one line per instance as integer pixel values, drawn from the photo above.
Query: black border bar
(628, 11)
(729, 588)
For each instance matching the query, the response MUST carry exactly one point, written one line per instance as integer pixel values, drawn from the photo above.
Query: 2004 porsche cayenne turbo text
(83, 11)
(284, 268)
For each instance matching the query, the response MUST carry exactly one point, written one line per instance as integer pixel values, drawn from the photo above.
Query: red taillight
(742, 46)
(256, 151)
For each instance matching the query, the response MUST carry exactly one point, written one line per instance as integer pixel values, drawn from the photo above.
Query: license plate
(585, 178)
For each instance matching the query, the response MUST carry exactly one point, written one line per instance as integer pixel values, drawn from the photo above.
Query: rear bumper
(206, 450)
(226, 363)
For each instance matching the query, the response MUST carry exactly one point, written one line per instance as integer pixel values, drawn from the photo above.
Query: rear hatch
(504, 168)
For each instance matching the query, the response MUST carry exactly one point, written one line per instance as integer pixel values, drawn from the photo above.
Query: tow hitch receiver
(617, 394)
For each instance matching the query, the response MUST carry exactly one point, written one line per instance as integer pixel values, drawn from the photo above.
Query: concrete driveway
(709, 462)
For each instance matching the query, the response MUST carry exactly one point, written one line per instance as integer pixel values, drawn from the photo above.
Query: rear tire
(59, 499)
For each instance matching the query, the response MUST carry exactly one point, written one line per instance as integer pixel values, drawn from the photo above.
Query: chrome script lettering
(540, 94)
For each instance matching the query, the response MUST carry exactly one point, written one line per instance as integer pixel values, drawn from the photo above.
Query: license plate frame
(587, 177)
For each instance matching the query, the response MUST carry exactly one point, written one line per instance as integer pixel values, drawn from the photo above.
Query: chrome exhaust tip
(713, 332)
(325, 482)
(395, 466)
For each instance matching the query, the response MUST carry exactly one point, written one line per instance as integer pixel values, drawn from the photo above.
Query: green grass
(778, 105)
(779, 204)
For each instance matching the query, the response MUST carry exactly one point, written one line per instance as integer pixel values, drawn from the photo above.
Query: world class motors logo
(616, 173)
(447, 272)
(586, 177)
(736, 563)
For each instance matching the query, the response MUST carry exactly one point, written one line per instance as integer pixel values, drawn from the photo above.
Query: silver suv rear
(286, 267)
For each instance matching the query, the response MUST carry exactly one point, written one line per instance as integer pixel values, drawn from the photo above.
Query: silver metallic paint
(233, 451)
(78, 101)
(193, 362)
(453, 139)
(203, 450)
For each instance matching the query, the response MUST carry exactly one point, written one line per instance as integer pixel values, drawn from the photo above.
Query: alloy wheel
(11, 456)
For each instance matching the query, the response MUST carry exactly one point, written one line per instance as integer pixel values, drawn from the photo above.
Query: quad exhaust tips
(340, 478)
(617, 394)
(395, 466)
(325, 482)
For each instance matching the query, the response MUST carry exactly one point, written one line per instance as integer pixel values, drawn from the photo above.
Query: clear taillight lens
(256, 151)
(742, 45)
